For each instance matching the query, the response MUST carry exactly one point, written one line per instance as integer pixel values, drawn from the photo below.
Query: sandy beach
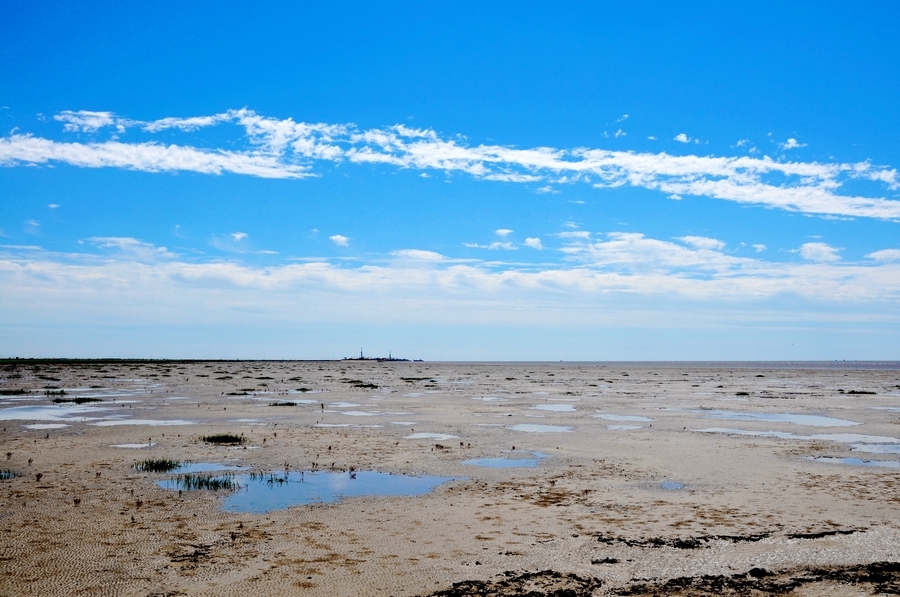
(601, 478)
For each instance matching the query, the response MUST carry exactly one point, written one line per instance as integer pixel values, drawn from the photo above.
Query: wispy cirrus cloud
(283, 148)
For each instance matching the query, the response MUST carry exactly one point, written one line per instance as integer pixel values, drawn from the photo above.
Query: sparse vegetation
(223, 438)
(191, 481)
(157, 465)
(283, 403)
(268, 478)
(79, 400)
(14, 392)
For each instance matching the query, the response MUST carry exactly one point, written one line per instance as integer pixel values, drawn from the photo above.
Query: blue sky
(459, 181)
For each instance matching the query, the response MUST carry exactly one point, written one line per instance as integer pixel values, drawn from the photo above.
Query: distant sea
(835, 365)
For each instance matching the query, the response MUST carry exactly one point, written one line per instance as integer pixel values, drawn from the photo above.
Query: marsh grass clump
(223, 438)
(283, 403)
(157, 465)
(13, 392)
(269, 479)
(6, 474)
(192, 481)
(79, 400)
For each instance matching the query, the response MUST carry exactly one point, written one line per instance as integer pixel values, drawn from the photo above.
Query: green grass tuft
(157, 465)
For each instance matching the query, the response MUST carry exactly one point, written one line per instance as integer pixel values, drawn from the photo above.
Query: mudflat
(498, 478)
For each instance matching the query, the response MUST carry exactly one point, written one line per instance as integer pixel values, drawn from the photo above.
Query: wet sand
(657, 479)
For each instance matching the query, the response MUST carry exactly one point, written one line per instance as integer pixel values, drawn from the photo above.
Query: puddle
(258, 494)
(51, 413)
(152, 423)
(342, 404)
(487, 398)
(811, 420)
(876, 448)
(507, 462)
(858, 461)
(608, 417)
(430, 436)
(207, 467)
(133, 446)
(45, 426)
(671, 485)
(533, 428)
(624, 427)
(565, 399)
(559, 408)
(403, 423)
(845, 438)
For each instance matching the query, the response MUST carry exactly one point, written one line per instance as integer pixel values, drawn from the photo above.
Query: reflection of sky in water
(846, 438)
(533, 428)
(796, 419)
(609, 417)
(149, 422)
(624, 427)
(52, 412)
(559, 408)
(259, 496)
(859, 462)
(876, 448)
(426, 435)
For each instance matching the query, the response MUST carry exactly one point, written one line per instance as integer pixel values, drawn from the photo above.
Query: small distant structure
(390, 358)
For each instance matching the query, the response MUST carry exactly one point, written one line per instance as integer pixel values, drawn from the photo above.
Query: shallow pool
(258, 494)
(533, 428)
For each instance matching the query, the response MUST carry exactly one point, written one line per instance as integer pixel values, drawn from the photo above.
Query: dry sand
(662, 509)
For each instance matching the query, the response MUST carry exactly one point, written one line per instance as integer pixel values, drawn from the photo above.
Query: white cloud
(503, 232)
(238, 236)
(506, 246)
(534, 243)
(820, 252)
(418, 255)
(623, 118)
(759, 248)
(53, 205)
(885, 255)
(741, 142)
(584, 234)
(276, 148)
(340, 240)
(620, 133)
(131, 248)
(89, 122)
(545, 190)
(652, 138)
(682, 138)
(630, 266)
(791, 144)
(702, 242)
(32, 223)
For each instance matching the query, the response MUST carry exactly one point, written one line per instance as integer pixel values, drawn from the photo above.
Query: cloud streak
(283, 148)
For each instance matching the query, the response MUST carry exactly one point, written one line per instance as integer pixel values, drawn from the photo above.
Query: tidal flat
(798, 495)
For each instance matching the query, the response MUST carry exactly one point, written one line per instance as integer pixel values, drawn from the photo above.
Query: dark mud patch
(879, 578)
(681, 542)
(547, 583)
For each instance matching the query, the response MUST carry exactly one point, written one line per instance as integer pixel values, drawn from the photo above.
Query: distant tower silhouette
(360, 353)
